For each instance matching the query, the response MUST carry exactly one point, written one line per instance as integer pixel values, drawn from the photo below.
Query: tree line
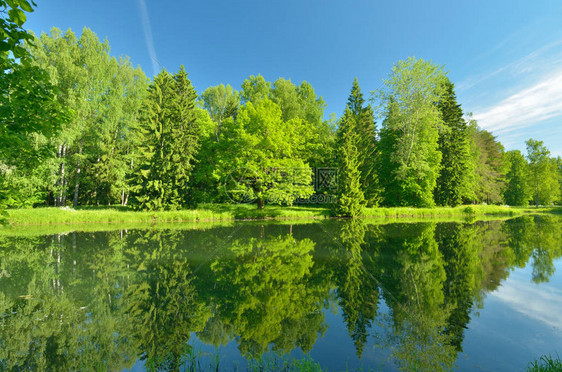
(80, 127)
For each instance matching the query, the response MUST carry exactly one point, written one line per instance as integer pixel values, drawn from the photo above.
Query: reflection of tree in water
(263, 291)
(462, 269)
(413, 278)
(99, 300)
(357, 287)
(535, 238)
(545, 241)
(162, 301)
(45, 323)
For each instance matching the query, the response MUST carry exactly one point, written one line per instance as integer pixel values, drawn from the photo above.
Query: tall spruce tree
(453, 181)
(364, 126)
(351, 199)
(489, 165)
(169, 132)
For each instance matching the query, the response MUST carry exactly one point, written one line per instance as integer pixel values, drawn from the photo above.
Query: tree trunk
(62, 192)
(56, 196)
(77, 184)
(261, 203)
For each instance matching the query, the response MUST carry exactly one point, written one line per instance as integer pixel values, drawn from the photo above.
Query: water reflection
(104, 300)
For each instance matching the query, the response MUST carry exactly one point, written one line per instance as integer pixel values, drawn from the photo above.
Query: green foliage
(255, 88)
(351, 199)
(297, 102)
(169, 138)
(29, 111)
(360, 119)
(543, 174)
(260, 158)
(517, 190)
(298, 105)
(410, 166)
(12, 32)
(490, 166)
(221, 103)
(91, 155)
(453, 184)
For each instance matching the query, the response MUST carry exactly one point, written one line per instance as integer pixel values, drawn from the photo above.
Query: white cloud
(527, 107)
(148, 36)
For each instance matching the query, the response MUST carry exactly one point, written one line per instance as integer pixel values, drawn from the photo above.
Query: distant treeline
(80, 127)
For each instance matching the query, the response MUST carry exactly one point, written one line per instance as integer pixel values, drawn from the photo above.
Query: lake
(345, 295)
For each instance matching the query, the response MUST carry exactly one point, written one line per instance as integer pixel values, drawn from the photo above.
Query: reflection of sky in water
(520, 322)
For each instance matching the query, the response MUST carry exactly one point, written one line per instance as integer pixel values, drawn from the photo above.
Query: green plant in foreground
(545, 363)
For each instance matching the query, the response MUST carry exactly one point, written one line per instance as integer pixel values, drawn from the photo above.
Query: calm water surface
(346, 294)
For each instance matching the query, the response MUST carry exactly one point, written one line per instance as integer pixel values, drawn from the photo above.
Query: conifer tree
(363, 117)
(169, 142)
(351, 199)
(453, 181)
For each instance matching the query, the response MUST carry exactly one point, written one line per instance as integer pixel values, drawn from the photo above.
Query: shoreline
(209, 213)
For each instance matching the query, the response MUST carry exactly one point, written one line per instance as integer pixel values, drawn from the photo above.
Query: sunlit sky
(505, 57)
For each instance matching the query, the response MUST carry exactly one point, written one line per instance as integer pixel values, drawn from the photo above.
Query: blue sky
(505, 57)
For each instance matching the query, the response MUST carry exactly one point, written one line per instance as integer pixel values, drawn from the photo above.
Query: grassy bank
(226, 212)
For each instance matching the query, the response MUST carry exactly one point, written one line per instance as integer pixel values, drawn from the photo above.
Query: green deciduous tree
(410, 133)
(260, 158)
(93, 151)
(543, 173)
(28, 109)
(517, 190)
(221, 103)
(255, 88)
(453, 184)
(169, 137)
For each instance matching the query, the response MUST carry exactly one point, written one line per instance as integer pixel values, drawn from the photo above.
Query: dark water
(346, 294)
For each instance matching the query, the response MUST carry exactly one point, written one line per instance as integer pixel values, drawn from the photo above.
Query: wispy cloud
(529, 106)
(539, 60)
(148, 36)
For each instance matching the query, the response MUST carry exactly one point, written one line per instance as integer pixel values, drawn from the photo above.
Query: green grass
(545, 363)
(48, 216)
(470, 210)
(229, 212)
